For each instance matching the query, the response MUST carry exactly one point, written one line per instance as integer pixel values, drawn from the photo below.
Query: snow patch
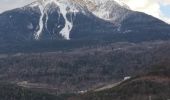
(37, 35)
(64, 8)
(65, 32)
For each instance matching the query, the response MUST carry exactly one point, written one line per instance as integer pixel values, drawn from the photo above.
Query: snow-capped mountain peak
(104, 9)
(108, 9)
(65, 7)
(79, 20)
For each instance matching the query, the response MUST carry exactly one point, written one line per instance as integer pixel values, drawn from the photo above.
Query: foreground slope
(153, 85)
(10, 91)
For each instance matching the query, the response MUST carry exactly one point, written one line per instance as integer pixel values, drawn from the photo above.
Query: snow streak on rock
(64, 9)
(65, 32)
(40, 22)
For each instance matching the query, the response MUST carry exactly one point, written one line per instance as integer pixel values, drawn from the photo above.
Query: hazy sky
(157, 8)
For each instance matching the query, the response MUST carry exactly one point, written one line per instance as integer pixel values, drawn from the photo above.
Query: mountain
(82, 50)
(80, 21)
(53, 20)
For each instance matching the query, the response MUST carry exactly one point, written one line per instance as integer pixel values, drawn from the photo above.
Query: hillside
(82, 69)
(149, 86)
(10, 91)
(152, 85)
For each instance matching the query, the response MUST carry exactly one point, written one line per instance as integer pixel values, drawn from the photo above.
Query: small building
(81, 92)
(127, 77)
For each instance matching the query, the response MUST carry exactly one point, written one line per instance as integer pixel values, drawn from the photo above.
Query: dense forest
(153, 84)
(84, 68)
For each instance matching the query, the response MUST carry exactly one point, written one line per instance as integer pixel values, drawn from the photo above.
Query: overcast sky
(157, 8)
